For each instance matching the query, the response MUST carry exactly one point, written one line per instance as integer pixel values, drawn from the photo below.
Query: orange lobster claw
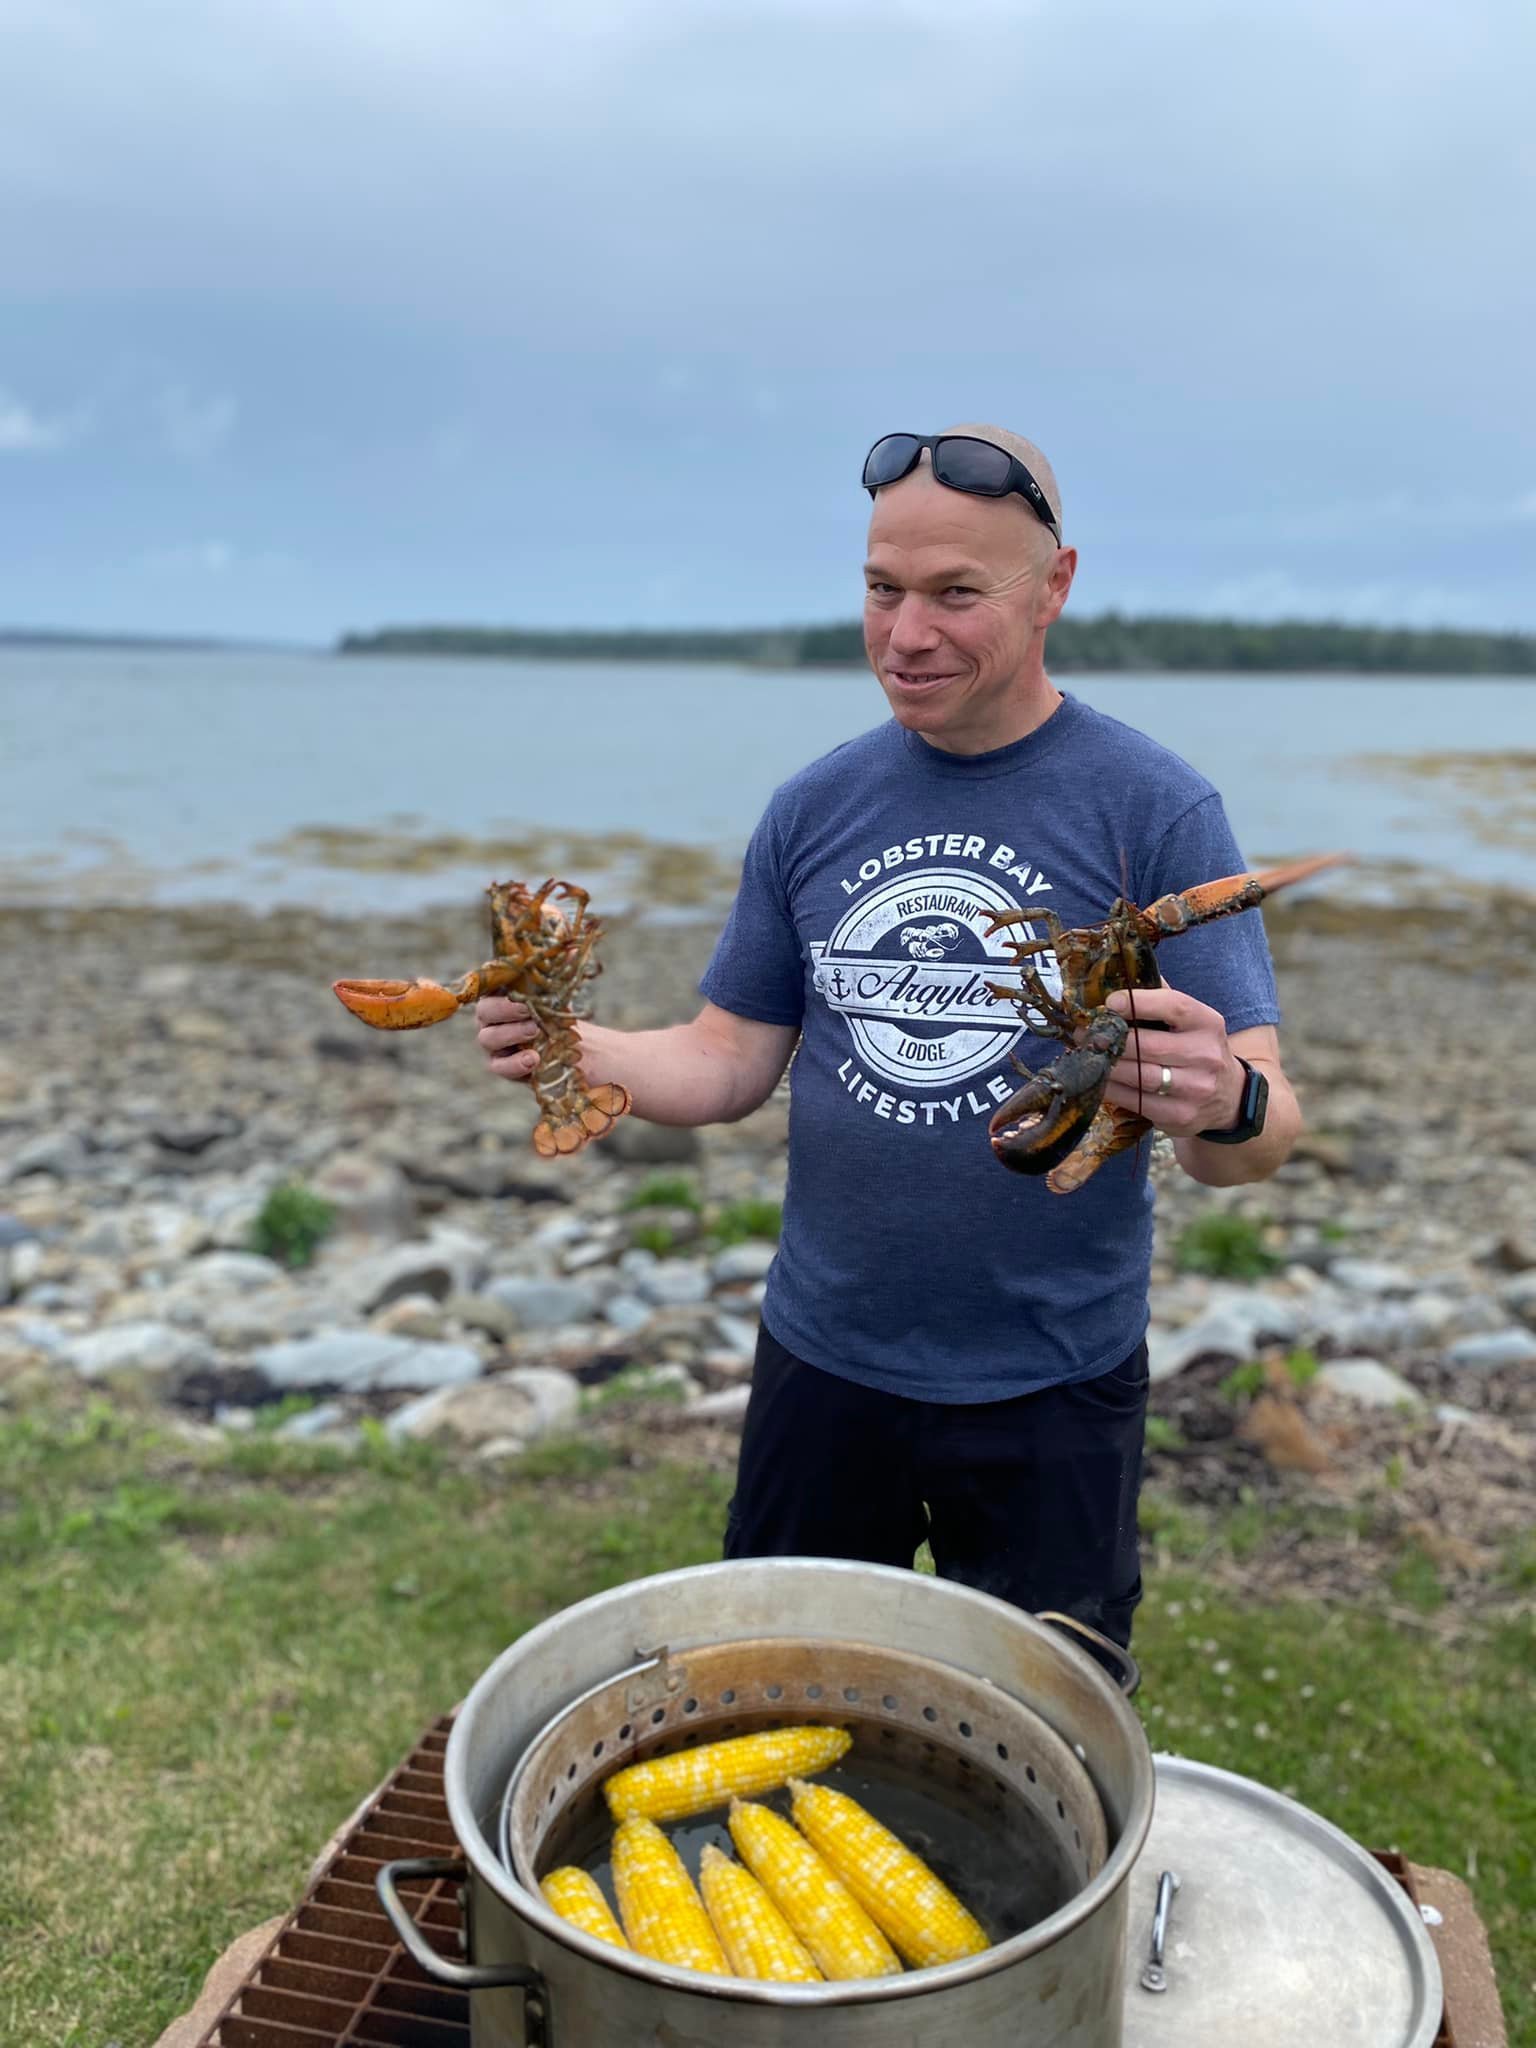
(595, 1117)
(398, 1005)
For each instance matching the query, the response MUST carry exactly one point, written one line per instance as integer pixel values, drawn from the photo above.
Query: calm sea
(178, 776)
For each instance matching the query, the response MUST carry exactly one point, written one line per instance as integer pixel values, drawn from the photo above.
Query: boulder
(1235, 1325)
(743, 1262)
(1490, 1350)
(154, 1349)
(362, 1361)
(1370, 1276)
(60, 1153)
(525, 1404)
(627, 1312)
(675, 1283)
(408, 1269)
(412, 1315)
(1369, 1382)
(642, 1144)
(544, 1304)
(372, 1197)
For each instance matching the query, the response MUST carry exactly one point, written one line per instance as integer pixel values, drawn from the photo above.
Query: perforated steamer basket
(927, 1643)
(915, 1721)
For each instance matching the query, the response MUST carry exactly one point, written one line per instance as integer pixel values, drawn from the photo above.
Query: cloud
(196, 427)
(24, 431)
(1277, 593)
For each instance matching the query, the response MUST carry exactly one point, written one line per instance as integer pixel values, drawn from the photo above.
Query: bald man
(949, 1351)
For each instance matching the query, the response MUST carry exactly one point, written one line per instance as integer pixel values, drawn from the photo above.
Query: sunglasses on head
(962, 462)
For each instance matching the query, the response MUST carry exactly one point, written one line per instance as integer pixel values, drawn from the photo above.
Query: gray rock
(527, 1403)
(374, 1282)
(60, 1153)
(194, 1133)
(1488, 1350)
(728, 1405)
(468, 1255)
(361, 1361)
(26, 1263)
(581, 1258)
(738, 1335)
(230, 1273)
(13, 1230)
(627, 1312)
(482, 1312)
(642, 1144)
(670, 1380)
(749, 1261)
(637, 1262)
(7, 1286)
(317, 1421)
(676, 1283)
(1235, 1325)
(371, 1196)
(104, 1237)
(265, 1318)
(1369, 1382)
(155, 1349)
(1369, 1276)
(1449, 1411)
(40, 1335)
(1519, 1297)
(411, 1315)
(545, 1304)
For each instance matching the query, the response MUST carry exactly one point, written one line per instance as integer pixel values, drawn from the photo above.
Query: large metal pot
(540, 1983)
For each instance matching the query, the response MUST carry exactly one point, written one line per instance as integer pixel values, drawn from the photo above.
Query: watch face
(1255, 1102)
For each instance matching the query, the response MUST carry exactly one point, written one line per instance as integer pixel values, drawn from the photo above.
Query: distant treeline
(1111, 641)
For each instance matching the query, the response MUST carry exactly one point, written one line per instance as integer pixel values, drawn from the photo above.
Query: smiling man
(948, 1351)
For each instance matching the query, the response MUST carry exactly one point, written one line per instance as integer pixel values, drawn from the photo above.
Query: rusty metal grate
(334, 1975)
(1400, 1868)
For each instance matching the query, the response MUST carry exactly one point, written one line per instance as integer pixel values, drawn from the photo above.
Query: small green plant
(1302, 1367)
(1244, 1383)
(664, 1191)
(738, 1221)
(653, 1237)
(1225, 1245)
(1333, 1233)
(291, 1224)
(273, 1414)
(1163, 1435)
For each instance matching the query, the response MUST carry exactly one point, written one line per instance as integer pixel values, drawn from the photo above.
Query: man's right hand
(506, 1030)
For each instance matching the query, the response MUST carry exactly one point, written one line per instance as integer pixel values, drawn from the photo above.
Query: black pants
(1032, 1499)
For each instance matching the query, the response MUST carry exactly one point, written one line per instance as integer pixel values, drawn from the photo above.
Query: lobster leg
(1178, 912)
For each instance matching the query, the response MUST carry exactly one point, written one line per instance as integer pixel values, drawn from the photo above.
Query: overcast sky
(327, 313)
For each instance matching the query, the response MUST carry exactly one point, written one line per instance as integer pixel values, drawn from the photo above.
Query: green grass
(738, 1221)
(208, 1656)
(1225, 1245)
(291, 1223)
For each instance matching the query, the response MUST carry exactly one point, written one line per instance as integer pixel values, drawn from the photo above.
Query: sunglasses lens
(889, 459)
(967, 465)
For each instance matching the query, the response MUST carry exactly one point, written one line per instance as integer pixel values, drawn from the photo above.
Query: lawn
(209, 1654)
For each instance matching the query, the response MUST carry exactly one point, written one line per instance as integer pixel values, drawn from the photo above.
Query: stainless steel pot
(540, 1983)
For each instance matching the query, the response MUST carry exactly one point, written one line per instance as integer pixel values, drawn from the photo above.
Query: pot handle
(1128, 1674)
(462, 1976)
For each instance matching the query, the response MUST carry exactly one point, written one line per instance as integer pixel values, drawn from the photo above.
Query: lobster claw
(1049, 1117)
(399, 1005)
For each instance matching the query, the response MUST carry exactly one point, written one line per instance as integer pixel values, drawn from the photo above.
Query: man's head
(959, 592)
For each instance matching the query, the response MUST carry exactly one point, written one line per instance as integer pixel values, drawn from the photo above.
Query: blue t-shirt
(910, 1259)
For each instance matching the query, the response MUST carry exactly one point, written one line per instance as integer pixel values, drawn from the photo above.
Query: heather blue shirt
(910, 1259)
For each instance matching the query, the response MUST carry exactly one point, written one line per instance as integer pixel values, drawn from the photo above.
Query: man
(948, 1350)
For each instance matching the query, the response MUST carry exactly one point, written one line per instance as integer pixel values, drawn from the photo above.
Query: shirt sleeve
(1225, 963)
(758, 969)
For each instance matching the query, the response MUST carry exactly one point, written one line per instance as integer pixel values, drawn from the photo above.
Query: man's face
(958, 592)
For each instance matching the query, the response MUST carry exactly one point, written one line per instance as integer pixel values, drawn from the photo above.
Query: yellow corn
(692, 1780)
(925, 1921)
(578, 1897)
(817, 1904)
(757, 1939)
(662, 1913)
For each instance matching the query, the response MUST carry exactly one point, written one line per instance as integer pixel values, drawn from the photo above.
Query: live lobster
(1058, 1123)
(544, 944)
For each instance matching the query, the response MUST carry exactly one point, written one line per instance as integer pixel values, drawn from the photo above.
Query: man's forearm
(1230, 1166)
(679, 1075)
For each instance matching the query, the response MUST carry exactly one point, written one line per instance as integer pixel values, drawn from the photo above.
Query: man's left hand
(1205, 1077)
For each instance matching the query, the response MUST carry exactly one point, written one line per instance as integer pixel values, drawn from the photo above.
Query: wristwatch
(1250, 1111)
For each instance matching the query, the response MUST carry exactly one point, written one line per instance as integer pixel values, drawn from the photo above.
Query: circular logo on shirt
(907, 969)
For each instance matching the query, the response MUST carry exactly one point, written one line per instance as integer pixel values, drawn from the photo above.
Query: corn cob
(662, 1913)
(692, 1780)
(924, 1920)
(819, 1907)
(577, 1896)
(757, 1939)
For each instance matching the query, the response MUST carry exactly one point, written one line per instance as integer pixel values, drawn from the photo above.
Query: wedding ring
(1165, 1086)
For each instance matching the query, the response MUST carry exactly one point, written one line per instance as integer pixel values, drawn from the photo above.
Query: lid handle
(1154, 1977)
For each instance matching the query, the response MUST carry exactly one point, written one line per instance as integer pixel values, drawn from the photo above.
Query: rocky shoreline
(162, 1071)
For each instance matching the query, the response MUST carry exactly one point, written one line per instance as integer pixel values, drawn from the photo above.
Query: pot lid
(1281, 1930)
